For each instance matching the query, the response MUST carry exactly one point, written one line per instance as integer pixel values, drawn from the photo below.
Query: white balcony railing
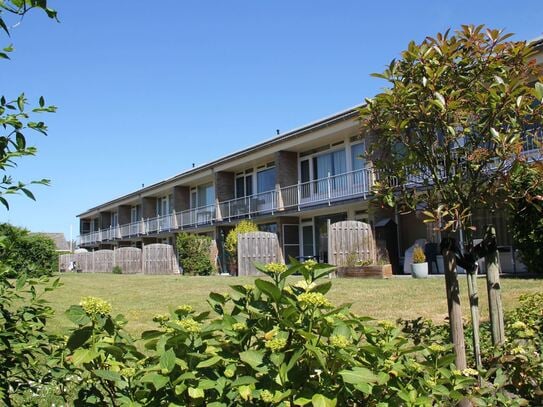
(321, 191)
(328, 190)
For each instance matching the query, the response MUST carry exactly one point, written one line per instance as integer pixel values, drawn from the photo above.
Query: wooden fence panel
(64, 261)
(154, 259)
(257, 247)
(102, 261)
(350, 241)
(128, 259)
(159, 258)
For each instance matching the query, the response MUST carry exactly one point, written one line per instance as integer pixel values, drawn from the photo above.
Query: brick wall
(224, 186)
(181, 198)
(124, 214)
(148, 207)
(286, 164)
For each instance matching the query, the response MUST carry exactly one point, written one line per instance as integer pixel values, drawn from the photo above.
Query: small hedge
(20, 250)
(195, 254)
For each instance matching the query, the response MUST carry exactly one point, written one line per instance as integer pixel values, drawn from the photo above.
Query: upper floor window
(244, 184)
(114, 218)
(135, 213)
(357, 154)
(203, 195)
(265, 180)
(164, 205)
(333, 163)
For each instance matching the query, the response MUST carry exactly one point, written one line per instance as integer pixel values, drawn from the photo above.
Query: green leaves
(358, 375)
(318, 400)
(269, 289)
(108, 375)
(167, 360)
(77, 315)
(157, 380)
(79, 337)
(253, 358)
(538, 91)
(81, 356)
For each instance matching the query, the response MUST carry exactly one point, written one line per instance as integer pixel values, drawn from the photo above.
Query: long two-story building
(290, 185)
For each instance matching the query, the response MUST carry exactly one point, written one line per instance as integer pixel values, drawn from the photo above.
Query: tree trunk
(494, 290)
(453, 303)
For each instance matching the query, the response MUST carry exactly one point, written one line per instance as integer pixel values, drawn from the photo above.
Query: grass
(140, 297)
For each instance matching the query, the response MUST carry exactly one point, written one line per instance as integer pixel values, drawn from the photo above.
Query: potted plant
(419, 267)
(352, 267)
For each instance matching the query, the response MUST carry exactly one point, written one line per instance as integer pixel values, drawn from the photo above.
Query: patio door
(308, 240)
(291, 242)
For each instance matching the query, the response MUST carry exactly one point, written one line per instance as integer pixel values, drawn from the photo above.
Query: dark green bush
(526, 219)
(195, 254)
(34, 253)
(117, 270)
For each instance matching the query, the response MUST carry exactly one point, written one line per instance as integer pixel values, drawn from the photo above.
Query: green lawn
(139, 297)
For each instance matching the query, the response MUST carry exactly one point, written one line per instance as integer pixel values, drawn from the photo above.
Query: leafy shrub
(195, 254)
(28, 358)
(418, 255)
(231, 243)
(117, 270)
(33, 253)
(526, 215)
(278, 342)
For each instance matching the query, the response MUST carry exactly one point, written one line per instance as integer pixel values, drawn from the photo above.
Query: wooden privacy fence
(257, 247)
(128, 259)
(350, 241)
(159, 258)
(153, 259)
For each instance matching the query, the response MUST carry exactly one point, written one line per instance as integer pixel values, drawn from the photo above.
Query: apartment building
(291, 185)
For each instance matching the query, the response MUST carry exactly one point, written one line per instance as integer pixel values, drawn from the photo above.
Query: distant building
(61, 244)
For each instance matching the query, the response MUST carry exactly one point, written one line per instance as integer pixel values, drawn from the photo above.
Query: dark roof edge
(297, 132)
(536, 42)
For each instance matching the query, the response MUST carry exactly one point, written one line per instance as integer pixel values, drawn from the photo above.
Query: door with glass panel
(291, 242)
(203, 200)
(265, 183)
(114, 224)
(244, 191)
(360, 178)
(135, 217)
(308, 241)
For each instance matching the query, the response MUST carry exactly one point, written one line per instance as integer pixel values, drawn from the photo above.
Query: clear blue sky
(145, 89)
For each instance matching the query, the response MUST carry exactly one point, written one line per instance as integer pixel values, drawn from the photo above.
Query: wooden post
(142, 257)
(494, 289)
(475, 317)
(453, 303)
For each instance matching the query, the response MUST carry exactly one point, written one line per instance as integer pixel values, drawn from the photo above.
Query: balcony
(332, 189)
(324, 191)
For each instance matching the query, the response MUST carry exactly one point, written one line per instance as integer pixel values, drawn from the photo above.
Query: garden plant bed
(371, 271)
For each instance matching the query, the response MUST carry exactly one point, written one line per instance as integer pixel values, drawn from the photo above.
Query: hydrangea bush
(282, 342)
(277, 342)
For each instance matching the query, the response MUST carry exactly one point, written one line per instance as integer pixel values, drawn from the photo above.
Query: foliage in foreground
(195, 254)
(20, 250)
(278, 342)
(16, 117)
